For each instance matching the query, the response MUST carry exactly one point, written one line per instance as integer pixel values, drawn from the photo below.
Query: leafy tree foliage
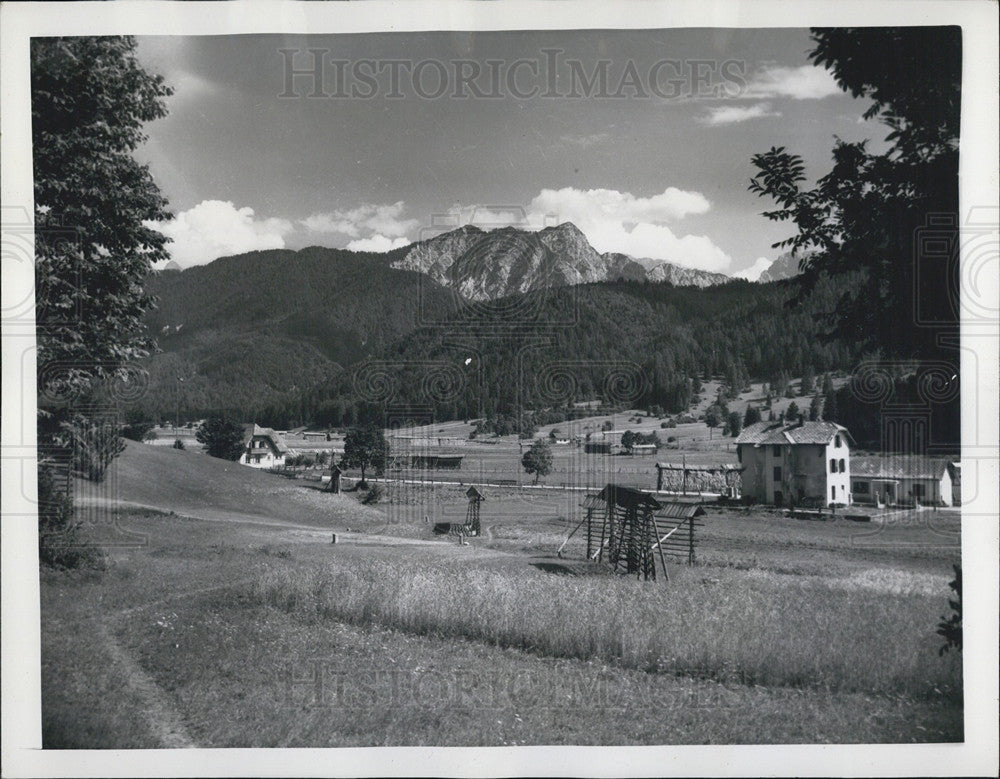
(752, 416)
(222, 437)
(815, 405)
(792, 413)
(538, 460)
(628, 440)
(365, 448)
(89, 101)
(866, 215)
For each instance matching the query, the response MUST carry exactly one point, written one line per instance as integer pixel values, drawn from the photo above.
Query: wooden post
(684, 489)
(590, 514)
(691, 541)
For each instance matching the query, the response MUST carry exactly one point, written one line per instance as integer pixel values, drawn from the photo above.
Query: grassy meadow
(238, 623)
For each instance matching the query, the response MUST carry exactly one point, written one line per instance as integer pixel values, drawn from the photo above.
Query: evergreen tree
(814, 408)
(734, 423)
(808, 383)
(830, 407)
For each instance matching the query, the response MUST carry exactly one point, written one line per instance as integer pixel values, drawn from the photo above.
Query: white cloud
(807, 82)
(610, 204)
(584, 141)
(188, 87)
(753, 272)
(616, 221)
(731, 114)
(376, 219)
(217, 228)
(376, 243)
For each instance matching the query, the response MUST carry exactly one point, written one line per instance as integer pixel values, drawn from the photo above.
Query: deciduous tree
(222, 437)
(538, 460)
(866, 216)
(364, 448)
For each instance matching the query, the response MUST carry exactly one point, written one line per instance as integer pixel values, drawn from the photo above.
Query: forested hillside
(258, 329)
(635, 343)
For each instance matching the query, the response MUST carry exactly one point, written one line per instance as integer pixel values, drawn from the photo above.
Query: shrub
(950, 628)
(178, 443)
(60, 539)
(94, 442)
(374, 495)
(139, 431)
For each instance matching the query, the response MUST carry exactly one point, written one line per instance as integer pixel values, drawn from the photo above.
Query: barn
(893, 479)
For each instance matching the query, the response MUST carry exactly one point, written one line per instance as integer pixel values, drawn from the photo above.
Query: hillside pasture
(236, 622)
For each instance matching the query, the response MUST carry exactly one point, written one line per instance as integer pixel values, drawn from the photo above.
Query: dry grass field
(236, 622)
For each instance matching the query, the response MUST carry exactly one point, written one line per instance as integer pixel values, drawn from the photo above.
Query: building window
(860, 487)
(833, 492)
(776, 449)
(833, 466)
(840, 466)
(836, 441)
(777, 473)
(918, 490)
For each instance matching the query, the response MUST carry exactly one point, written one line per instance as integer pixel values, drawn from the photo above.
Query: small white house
(263, 447)
(799, 463)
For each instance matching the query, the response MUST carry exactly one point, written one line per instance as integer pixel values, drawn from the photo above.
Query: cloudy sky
(643, 139)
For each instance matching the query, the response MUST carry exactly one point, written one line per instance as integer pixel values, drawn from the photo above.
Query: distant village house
(263, 447)
(796, 462)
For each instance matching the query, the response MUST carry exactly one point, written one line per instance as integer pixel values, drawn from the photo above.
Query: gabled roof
(628, 497)
(898, 467)
(254, 431)
(681, 510)
(767, 433)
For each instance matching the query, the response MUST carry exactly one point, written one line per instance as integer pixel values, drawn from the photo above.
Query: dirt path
(163, 721)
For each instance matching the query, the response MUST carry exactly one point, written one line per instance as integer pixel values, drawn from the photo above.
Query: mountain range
(482, 265)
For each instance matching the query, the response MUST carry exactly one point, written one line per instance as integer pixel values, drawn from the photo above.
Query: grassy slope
(197, 485)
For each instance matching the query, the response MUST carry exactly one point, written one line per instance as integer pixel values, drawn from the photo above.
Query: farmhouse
(796, 462)
(263, 447)
(892, 479)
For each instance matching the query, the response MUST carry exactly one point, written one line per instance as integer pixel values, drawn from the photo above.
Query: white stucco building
(800, 463)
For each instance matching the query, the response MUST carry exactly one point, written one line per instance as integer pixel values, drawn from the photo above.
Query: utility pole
(177, 403)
